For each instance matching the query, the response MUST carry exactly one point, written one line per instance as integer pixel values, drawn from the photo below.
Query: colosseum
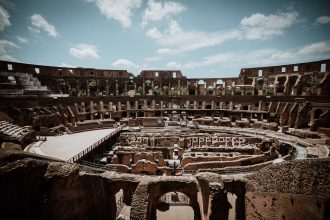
(85, 143)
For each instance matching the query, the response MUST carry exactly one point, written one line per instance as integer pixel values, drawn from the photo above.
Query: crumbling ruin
(105, 144)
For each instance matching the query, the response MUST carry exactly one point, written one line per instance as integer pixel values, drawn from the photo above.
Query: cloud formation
(39, 23)
(4, 18)
(84, 51)
(119, 10)
(22, 40)
(156, 11)
(262, 57)
(323, 20)
(175, 40)
(123, 63)
(5, 47)
(260, 26)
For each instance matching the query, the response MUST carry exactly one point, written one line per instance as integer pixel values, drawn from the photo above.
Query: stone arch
(219, 82)
(148, 193)
(127, 186)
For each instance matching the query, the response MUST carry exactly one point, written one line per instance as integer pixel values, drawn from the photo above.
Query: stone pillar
(136, 105)
(110, 106)
(260, 106)
(119, 106)
(91, 107)
(221, 105)
(128, 105)
(145, 104)
(125, 89)
(143, 87)
(187, 104)
(179, 87)
(107, 86)
(196, 88)
(117, 89)
(230, 105)
(224, 88)
(161, 87)
(97, 87)
(78, 88)
(203, 104)
(161, 104)
(233, 88)
(88, 89)
(212, 104)
(153, 104)
(195, 104)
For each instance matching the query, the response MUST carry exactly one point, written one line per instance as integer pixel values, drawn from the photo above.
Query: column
(136, 105)
(107, 86)
(143, 87)
(153, 104)
(88, 90)
(117, 89)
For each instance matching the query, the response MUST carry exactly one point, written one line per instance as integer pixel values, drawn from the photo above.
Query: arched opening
(219, 82)
(174, 205)
(201, 82)
(317, 113)
(192, 90)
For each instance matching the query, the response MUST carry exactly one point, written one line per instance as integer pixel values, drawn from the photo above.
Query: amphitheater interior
(84, 143)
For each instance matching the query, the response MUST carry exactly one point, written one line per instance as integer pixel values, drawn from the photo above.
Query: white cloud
(84, 51)
(154, 33)
(40, 23)
(5, 46)
(176, 40)
(263, 57)
(152, 59)
(4, 18)
(63, 64)
(323, 20)
(206, 61)
(156, 11)
(22, 39)
(123, 63)
(315, 48)
(119, 10)
(260, 26)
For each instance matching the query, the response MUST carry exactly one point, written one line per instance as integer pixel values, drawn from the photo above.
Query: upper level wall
(289, 68)
(6, 66)
(164, 74)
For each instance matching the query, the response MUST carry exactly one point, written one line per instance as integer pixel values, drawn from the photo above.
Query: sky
(202, 38)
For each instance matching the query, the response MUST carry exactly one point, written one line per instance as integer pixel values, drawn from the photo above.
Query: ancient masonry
(83, 143)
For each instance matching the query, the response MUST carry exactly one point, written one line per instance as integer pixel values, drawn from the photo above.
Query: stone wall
(34, 187)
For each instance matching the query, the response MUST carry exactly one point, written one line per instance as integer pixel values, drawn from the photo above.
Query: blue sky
(202, 38)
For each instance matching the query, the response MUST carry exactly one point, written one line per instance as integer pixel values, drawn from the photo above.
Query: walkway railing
(95, 145)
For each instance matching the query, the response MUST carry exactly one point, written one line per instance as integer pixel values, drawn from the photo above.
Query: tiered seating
(12, 131)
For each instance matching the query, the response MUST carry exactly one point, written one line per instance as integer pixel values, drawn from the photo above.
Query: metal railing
(93, 146)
